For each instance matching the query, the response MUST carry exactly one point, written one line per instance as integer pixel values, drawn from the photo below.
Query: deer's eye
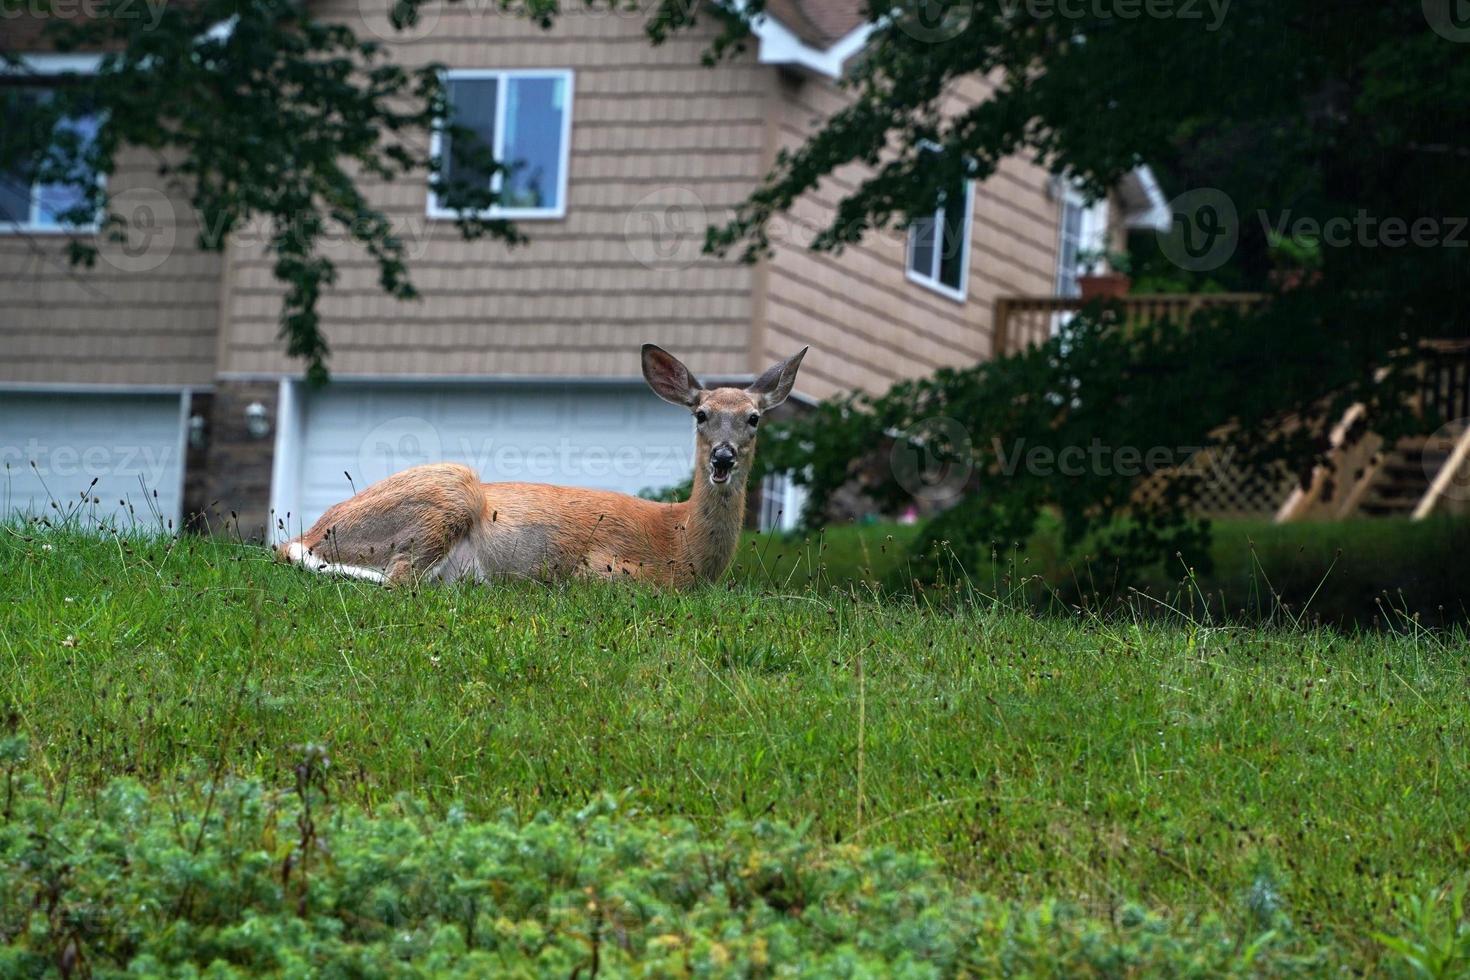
(701, 416)
(753, 421)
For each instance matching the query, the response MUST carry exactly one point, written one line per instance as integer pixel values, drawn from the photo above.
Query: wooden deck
(1021, 321)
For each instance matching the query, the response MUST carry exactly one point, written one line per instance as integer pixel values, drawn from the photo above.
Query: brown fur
(440, 522)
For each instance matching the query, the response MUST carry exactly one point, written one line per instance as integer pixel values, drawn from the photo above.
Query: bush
(235, 879)
(1378, 573)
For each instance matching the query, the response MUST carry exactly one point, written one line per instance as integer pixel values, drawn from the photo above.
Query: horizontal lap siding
(117, 322)
(575, 300)
(868, 325)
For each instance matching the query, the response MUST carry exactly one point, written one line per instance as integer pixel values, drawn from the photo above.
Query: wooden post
(1000, 313)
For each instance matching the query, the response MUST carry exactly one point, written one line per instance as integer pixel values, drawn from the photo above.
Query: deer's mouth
(720, 470)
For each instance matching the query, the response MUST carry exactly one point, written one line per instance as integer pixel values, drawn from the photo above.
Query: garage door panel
(124, 452)
(618, 438)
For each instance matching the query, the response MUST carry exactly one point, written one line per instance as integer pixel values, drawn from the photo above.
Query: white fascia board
(1147, 208)
(779, 45)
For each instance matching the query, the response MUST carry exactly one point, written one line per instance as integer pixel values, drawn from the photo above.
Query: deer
(439, 523)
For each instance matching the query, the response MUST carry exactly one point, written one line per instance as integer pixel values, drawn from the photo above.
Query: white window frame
(1092, 230)
(503, 75)
(52, 64)
(782, 503)
(1092, 235)
(932, 280)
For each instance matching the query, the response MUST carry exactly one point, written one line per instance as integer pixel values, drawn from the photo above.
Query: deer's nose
(723, 455)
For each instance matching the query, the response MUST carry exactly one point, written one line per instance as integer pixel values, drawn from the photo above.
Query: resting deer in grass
(440, 523)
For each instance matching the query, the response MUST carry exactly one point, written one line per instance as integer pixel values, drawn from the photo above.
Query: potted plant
(1104, 276)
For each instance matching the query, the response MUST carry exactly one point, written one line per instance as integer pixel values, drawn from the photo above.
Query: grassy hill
(1228, 783)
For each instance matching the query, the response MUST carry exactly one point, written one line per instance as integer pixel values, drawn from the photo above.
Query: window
(520, 119)
(939, 245)
(1084, 233)
(782, 502)
(43, 199)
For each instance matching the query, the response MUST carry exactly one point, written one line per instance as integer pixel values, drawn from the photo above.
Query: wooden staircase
(1405, 475)
(1415, 477)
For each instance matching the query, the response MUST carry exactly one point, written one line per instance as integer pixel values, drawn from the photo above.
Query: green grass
(1194, 770)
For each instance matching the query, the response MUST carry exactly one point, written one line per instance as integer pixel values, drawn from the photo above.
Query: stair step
(1375, 509)
(1432, 443)
(1407, 501)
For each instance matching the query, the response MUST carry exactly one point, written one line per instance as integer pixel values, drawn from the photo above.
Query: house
(159, 374)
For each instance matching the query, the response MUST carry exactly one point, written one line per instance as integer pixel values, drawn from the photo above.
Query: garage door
(131, 445)
(608, 437)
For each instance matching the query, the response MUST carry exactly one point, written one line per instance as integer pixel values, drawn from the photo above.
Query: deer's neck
(712, 521)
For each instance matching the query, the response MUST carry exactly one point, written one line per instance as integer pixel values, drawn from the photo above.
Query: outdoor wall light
(257, 420)
(196, 431)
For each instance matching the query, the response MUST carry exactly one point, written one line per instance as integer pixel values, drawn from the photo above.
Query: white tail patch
(311, 561)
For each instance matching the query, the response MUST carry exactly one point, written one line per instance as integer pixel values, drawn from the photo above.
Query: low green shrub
(1370, 573)
(233, 879)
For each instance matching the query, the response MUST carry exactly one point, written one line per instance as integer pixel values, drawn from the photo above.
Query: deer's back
(543, 530)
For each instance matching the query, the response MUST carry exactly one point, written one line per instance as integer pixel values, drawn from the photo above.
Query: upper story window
(44, 183)
(939, 244)
(520, 119)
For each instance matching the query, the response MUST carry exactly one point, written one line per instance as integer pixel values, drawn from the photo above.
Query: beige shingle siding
(105, 325)
(576, 300)
(868, 325)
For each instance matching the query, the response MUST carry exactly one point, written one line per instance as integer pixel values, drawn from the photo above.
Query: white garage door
(612, 437)
(132, 445)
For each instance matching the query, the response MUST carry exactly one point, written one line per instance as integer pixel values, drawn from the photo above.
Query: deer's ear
(772, 387)
(668, 377)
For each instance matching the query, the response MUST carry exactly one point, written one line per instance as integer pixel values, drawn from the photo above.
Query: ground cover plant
(1231, 798)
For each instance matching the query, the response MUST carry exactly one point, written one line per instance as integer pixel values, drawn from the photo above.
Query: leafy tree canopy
(1318, 151)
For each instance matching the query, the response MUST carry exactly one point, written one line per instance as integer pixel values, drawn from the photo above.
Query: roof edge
(1146, 207)
(780, 45)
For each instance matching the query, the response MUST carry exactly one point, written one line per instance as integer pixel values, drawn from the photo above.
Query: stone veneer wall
(237, 465)
(196, 490)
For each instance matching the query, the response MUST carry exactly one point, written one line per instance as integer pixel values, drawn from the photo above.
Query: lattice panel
(1225, 489)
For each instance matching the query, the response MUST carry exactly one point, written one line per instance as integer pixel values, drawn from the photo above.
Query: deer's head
(725, 419)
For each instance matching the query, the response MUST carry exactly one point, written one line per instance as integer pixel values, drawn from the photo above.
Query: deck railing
(1445, 388)
(1021, 321)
